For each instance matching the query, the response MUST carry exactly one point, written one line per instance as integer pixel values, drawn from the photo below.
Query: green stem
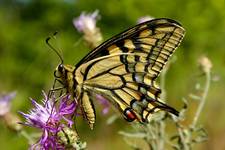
(162, 125)
(184, 140)
(27, 136)
(203, 100)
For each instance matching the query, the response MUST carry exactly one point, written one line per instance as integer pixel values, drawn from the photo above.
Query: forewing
(157, 39)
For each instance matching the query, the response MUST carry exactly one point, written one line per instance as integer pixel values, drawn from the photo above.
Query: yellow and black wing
(124, 68)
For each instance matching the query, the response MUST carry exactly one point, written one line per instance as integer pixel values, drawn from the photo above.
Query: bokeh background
(27, 64)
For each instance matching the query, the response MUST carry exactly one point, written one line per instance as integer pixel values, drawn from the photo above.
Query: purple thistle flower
(104, 102)
(51, 118)
(86, 22)
(5, 103)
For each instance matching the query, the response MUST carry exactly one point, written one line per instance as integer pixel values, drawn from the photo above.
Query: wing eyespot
(129, 115)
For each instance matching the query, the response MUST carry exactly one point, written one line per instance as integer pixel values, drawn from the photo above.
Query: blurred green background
(27, 64)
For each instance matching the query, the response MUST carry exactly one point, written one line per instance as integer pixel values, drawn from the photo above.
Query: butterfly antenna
(49, 44)
(57, 42)
(55, 33)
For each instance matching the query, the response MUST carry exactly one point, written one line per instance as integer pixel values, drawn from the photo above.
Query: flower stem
(203, 100)
(27, 136)
(162, 125)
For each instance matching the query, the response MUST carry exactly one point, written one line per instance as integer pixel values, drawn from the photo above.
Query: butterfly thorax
(65, 75)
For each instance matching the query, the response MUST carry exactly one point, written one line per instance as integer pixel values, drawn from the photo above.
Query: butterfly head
(64, 72)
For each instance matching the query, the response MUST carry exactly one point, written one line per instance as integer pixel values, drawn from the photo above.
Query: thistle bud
(86, 24)
(10, 120)
(205, 64)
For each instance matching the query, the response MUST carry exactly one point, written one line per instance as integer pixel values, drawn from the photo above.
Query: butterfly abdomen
(88, 108)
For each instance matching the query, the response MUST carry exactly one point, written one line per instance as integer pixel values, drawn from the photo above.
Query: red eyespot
(129, 115)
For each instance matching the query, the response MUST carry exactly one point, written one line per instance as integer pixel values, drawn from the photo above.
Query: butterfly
(124, 70)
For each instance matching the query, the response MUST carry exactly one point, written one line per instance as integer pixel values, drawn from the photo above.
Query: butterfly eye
(59, 71)
(61, 68)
